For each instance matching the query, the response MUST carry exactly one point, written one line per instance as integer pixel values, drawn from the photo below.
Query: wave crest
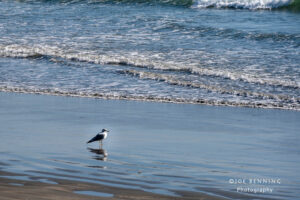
(232, 4)
(242, 4)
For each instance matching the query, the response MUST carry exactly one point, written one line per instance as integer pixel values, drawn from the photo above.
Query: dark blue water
(172, 51)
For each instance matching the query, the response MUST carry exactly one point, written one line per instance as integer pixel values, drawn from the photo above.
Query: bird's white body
(104, 134)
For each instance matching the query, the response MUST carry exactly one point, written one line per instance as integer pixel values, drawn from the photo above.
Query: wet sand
(13, 189)
(155, 150)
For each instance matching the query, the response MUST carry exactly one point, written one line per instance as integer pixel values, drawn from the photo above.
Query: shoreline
(151, 99)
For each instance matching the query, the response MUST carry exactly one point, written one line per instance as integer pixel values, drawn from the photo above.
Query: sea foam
(242, 4)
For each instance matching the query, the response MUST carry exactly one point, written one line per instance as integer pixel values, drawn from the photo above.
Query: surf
(245, 4)
(291, 5)
(142, 61)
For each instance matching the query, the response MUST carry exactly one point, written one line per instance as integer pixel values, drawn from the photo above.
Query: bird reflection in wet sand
(101, 154)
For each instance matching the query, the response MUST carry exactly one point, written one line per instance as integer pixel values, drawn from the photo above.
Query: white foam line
(174, 81)
(241, 4)
(273, 105)
(136, 60)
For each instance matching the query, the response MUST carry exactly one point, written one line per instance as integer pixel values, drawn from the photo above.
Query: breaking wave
(232, 4)
(244, 4)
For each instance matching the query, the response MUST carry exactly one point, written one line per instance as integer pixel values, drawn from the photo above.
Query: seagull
(99, 137)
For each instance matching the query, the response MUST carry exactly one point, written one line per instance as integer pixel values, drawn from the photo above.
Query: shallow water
(155, 147)
(171, 51)
(93, 193)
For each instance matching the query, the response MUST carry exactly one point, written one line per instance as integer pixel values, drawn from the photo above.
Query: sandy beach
(155, 150)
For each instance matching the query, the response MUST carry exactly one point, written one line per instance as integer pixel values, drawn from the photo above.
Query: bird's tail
(91, 140)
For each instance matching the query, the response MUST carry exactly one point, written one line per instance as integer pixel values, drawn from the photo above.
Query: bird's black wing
(96, 138)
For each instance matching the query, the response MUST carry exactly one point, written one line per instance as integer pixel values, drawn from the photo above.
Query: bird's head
(103, 130)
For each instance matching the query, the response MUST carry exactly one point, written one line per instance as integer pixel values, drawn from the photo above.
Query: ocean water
(216, 52)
